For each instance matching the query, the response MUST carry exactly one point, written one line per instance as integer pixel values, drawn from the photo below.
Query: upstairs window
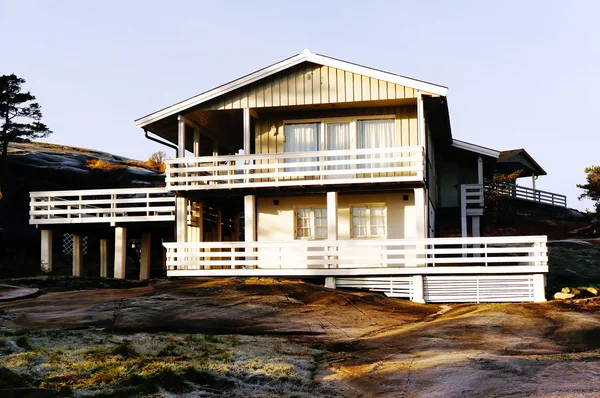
(311, 223)
(369, 221)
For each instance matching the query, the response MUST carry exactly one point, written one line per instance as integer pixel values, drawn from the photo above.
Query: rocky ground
(266, 337)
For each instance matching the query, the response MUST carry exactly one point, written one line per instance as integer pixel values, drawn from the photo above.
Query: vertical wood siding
(308, 84)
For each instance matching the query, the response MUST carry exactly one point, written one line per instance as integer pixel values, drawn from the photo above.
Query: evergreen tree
(592, 187)
(19, 115)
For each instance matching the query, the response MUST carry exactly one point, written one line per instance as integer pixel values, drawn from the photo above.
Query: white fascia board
(467, 146)
(288, 63)
(198, 99)
(377, 74)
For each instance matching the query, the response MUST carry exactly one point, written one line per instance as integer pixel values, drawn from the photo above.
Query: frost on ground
(100, 364)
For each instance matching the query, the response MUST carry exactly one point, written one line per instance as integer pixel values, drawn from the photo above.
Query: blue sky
(520, 73)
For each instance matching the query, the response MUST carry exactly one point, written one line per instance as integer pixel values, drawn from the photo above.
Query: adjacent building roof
(518, 159)
(304, 56)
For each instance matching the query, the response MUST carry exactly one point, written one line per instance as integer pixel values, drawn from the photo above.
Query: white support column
(421, 226)
(103, 258)
(181, 219)
(46, 253)
(533, 181)
(249, 220)
(332, 215)
(475, 224)
(196, 142)
(247, 135)
(539, 288)
(219, 226)
(180, 136)
(330, 282)
(77, 255)
(420, 120)
(479, 171)
(120, 252)
(420, 210)
(145, 256)
(332, 228)
(418, 290)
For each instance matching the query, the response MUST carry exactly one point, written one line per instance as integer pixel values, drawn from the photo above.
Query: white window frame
(352, 120)
(368, 207)
(312, 222)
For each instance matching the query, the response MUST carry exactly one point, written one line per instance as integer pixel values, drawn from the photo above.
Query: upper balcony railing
(354, 166)
(101, 206)
(528, 194)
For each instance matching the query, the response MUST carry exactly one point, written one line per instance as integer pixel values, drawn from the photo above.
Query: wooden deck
(357, 166)
(101, 206)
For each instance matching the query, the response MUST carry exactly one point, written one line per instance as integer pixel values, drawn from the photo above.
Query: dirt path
(375, 346)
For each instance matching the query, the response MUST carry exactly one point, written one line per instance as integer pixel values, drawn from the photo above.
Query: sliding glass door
(303, 137)
(374, 134)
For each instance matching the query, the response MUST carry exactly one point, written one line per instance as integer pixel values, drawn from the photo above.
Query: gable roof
(526, 163)
(304, 56)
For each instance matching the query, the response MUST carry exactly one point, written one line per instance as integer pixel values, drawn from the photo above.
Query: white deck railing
(529, 194)
(101, 206)
(296, 169)
(379, 256)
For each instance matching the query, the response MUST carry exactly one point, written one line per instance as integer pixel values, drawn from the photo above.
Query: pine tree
(19, 118)
(592, 187)
(19, 115)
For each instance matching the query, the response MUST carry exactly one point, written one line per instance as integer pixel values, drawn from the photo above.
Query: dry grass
(99, 164)
(93, 362)
(148, 164)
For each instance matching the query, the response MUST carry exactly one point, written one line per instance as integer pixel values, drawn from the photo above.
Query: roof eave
(467, 146)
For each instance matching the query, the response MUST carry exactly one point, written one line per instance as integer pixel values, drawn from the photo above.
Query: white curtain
(301, 138)
(376, 134)
(338, 138)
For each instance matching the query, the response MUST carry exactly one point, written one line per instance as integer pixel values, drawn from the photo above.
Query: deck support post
(180, 136)
(219, 226)
(196, 148)
(181, 219)
(533, 177)
(103, 258)
(247, 136)
(46, 252)
(421, 226)
(418, 290)
(77, 255)
(539, 288)
(475, 221)
(145, 256)
(332, 227)
(120, 252)
(249, 222)
(420, 120)
(479, 170)
(330, 282)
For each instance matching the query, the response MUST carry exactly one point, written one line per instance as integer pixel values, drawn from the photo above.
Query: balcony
(489, 255)
(296, 169)
(96, 206)
(527, 194)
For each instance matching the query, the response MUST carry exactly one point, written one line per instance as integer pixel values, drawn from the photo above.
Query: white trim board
(467, 146)
(304, 56)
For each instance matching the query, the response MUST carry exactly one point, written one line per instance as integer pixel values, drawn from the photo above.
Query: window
(311, 223)
(376, 134)
(302, 138)
(368, 221)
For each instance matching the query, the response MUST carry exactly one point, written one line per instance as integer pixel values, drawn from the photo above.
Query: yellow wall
(276, 223)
